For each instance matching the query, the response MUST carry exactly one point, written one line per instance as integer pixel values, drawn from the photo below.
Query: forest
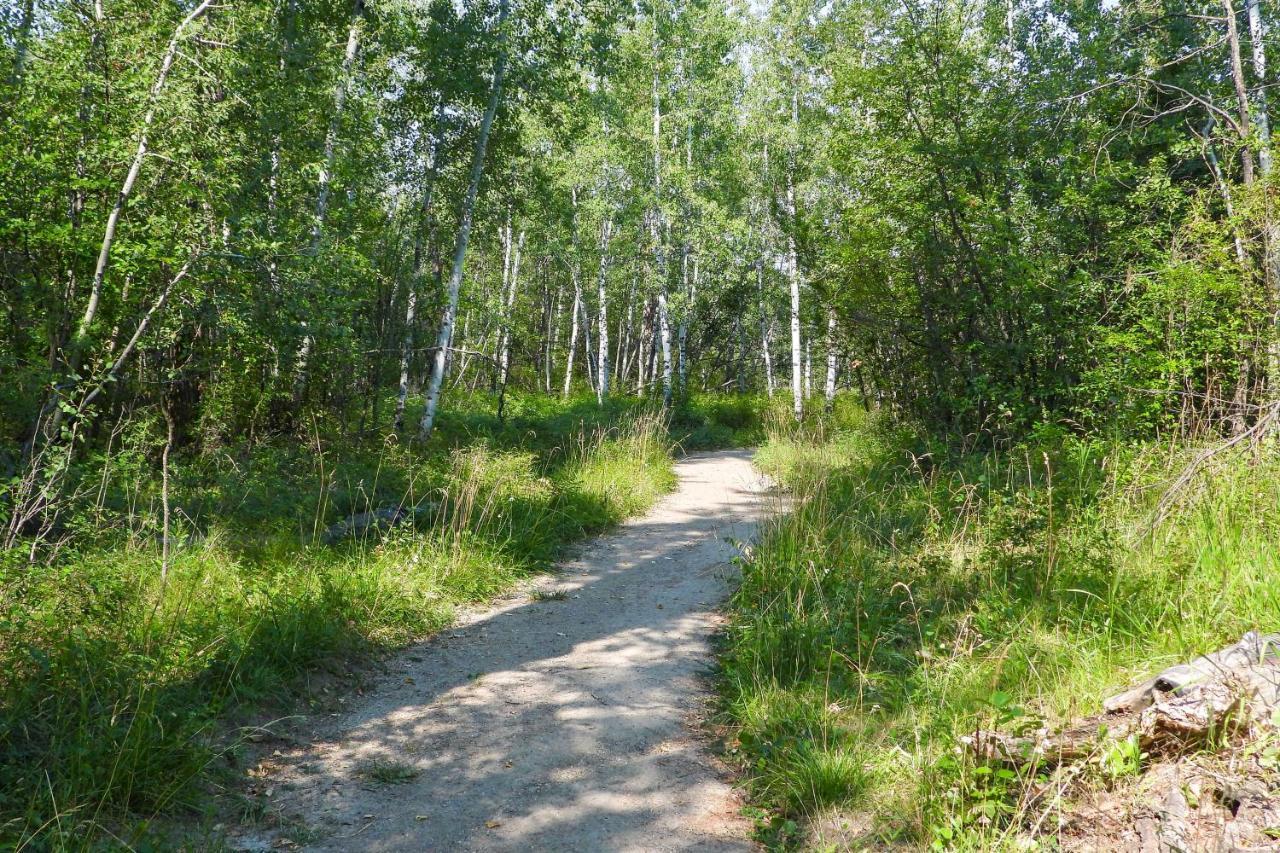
(323, 321)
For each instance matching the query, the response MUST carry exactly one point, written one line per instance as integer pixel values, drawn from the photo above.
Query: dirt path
(545, 724)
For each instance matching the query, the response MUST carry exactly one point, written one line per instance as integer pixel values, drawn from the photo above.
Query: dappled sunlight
(553, 722)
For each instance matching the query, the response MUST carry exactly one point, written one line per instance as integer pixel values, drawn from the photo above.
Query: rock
(362, 524)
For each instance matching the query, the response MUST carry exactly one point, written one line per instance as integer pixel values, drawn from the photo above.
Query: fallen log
(1235, 688)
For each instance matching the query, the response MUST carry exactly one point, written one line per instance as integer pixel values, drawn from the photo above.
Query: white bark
(656, 232)
(131, 179)
(830, 390)
(793, 263)
(766, 333)
(585, 324)
(464, 234)
(573, 333)
(415, 280)
(340, 93)
(602, 297)
(508, 301)
(24, 36)
(808, 368)
(793, 275)
(325, 182)
(1261, 120)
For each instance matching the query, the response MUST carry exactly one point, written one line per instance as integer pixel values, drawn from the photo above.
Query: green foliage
(119, 683)
(917, 592)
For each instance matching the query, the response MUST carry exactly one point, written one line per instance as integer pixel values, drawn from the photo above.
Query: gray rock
(361, 524)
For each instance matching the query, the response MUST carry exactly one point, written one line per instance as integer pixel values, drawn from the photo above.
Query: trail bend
(545, 724)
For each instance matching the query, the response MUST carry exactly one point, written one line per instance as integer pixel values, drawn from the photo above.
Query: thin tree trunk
(765, 331)
(415, 282)
(793, 273)
(464, 232)
(164, 493)
(624, 340)
(585, 324)
(1241, 88)
(504, 363)
(325, 182)
(793, 260)
(575, 273)
(1271, 237)
(131, 178)
(573, 334)
(602, 315)
(831, 360)
(682, 324)
(24, 36)
(1261, 118)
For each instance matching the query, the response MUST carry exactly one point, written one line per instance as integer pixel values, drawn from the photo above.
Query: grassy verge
(120, 684)
(916, 593)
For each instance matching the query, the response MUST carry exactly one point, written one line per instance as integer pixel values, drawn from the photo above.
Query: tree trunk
(793, 261)
(831, 360)
(23, 37)
(765, 331)
(464, 233)
(415, 282)
(586, 346)
(1241, 88)
(793, 274)
(325, 182)
(602, 317)
(504, 361)
(126, 189)
(1261, 119)
(573, 334)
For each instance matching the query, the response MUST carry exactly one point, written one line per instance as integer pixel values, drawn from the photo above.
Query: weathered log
(1251, 650)
(1236, 687)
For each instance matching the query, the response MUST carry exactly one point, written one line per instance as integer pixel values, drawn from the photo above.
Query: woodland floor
(565, 717)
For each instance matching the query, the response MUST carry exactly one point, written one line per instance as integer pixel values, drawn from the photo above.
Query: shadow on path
(551, 724)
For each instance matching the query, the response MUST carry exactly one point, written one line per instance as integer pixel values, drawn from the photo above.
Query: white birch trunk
(131, 179)
(508, 301)
(793, 261)
(573, 334)
(808, 368)
(1261, 119)
(464, 233)
(793, 274)
(765, 331)
(324, 184)
(586, 346)
(24, 36)
(340, 93)
(411, 299)
(830, 390)
(602, 297)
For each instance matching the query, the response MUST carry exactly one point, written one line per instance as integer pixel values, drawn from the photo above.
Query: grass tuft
(120, 686)
(916, 592)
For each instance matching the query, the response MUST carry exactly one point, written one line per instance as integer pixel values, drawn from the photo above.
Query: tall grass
(121, 690)
(916, 592)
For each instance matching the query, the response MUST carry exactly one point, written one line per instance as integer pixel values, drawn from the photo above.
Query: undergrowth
(916, 592)
(123, 686)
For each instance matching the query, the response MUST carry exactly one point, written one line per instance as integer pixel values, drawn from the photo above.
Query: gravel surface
(548, 723)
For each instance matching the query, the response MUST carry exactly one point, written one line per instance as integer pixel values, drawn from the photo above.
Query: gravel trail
(550, 724)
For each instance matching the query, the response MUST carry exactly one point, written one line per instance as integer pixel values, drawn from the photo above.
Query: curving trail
(551, 724)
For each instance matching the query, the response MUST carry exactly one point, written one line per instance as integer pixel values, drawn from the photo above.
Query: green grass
(121, 690)
(917, 592)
